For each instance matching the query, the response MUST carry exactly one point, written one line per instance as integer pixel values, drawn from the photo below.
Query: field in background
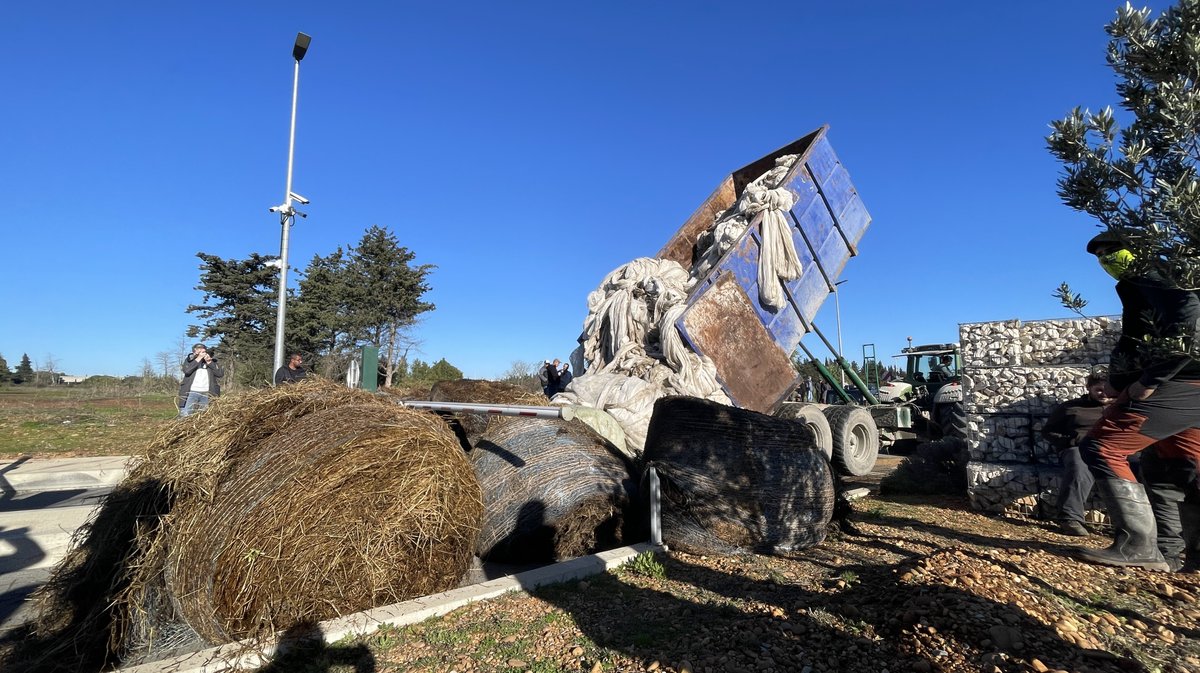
(63, 422)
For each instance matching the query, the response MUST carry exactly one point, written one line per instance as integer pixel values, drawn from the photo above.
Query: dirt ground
(908, 584)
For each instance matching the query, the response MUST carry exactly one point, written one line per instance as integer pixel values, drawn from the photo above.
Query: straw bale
(76, 612)
(481, 391)
(552, 489)
(411, 392)
(343, 509)
(734, 480)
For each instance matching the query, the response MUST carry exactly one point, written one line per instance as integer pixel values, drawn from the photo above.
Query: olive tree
(1139, 180)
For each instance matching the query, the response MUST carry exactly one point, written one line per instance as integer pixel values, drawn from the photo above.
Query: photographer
(200, 380)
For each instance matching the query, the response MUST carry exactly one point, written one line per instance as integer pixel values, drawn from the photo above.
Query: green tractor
(932, 385)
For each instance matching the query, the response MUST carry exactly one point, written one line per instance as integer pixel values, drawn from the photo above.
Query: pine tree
(24, 372)
(5, 374)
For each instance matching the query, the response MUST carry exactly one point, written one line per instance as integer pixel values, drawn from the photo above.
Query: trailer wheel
(952, 418)
(855, 439)
(811, 416)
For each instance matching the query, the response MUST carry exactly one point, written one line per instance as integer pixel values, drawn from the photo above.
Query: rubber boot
(1133, 521)
(1166, 500)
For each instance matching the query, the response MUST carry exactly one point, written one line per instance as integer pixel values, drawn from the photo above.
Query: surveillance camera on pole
(287, 213)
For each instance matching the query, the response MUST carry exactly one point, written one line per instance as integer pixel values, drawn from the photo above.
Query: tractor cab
(928, 369)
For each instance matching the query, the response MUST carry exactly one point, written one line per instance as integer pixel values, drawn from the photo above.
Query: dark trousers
(1173, 486)
(1074, 484)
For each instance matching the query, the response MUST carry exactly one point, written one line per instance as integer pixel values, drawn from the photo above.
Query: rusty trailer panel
(722, 324)
(828, 220)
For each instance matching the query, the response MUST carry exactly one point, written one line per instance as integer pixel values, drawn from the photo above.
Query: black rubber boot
(1166, 500)
(1133, 521)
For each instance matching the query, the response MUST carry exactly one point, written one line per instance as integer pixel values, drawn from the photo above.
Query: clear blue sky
(526, 150)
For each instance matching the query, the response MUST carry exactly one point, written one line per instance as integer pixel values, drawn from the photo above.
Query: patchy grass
(63, 422)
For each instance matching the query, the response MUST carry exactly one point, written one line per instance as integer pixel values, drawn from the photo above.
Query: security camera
(303, 201)
(275, 263)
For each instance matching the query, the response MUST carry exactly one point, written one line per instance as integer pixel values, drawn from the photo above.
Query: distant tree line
(369, 293)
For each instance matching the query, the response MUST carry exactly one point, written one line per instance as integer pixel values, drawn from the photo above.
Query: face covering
(1116, 263)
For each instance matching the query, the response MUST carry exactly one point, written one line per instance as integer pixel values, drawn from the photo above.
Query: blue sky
(527, 149)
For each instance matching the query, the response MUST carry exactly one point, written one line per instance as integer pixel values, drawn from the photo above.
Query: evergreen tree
(419, 370)
(5, 374)
(444, 371)
(1141, 182)
(383, 291)
(318, 320)
(239, 309)
(24, 372)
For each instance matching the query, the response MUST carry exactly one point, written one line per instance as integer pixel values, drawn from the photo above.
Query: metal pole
(837, 305)
(564, 412)
(287, 217)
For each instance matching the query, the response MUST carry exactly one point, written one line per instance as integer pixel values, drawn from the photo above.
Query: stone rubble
(1015, 372)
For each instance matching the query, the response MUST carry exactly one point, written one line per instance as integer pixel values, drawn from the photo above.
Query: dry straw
(279, 506)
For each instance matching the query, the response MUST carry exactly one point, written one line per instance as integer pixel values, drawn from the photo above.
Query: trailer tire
(811, 416)
(855, 439)
(952, 417)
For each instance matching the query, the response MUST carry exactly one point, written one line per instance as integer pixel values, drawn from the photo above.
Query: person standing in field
(201, 380)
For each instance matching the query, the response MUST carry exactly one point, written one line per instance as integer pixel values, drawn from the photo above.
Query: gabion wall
(1015, 372)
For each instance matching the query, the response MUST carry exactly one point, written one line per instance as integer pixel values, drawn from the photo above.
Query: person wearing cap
(1157, 408)
(201, 380)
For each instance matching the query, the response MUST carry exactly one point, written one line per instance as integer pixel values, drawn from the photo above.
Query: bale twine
(552, 490)
(734, 480)
(482, 392)
(343, 509)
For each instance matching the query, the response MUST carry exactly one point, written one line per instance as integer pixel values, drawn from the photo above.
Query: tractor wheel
(811, 416)
(952, 418)
(855, 439)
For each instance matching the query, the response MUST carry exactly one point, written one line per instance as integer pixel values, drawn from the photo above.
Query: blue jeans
(195, 402)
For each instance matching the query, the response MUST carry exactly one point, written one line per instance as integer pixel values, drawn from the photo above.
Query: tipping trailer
(750, 343)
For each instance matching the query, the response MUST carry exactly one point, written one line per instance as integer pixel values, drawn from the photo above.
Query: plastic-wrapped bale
(345, 509)
(734, 480)
(552, 490)
(482, 392)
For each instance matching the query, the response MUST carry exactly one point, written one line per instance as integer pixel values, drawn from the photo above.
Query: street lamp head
(301, 47)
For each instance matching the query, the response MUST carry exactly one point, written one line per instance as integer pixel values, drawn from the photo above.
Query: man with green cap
(1156, 383)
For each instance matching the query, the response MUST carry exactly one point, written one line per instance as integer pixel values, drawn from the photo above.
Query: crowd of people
(554, 376)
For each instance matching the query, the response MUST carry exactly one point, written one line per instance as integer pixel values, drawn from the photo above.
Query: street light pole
(837, 305)
(287, 212)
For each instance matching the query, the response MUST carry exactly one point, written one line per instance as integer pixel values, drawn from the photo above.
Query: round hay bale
(343, 509)
(552, 490)
(79, 619)
(735, 480)
(482, 392)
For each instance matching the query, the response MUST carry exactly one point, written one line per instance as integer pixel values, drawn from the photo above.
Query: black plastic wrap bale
(734, 480)
(552, 490)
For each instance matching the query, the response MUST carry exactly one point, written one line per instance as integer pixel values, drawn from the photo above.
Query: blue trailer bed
(751, 344)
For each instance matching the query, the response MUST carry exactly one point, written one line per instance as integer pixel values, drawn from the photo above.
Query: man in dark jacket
(201, 380)
(1156, 383)
(1066, 429)
(291, 372)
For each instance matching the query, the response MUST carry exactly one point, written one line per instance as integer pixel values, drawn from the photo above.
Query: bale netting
(482, 392)
(734, 480)
(552, 490)
(78, 615)
(343, 509)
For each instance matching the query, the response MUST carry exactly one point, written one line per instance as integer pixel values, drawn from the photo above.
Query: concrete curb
(24, 476)
(248, 654)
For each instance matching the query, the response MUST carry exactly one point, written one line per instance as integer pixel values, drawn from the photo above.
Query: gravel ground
(908, 585)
